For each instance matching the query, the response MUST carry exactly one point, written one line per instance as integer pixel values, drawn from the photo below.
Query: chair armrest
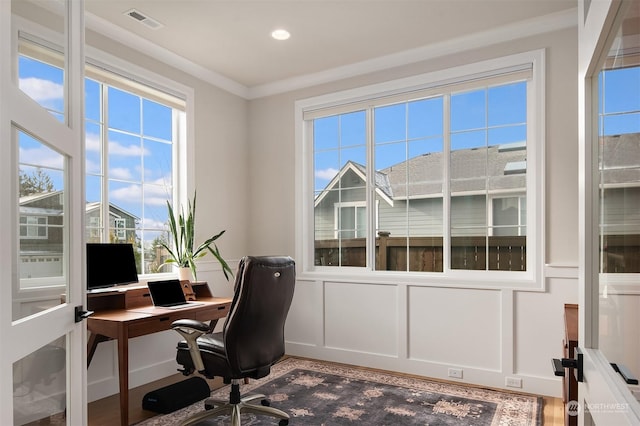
(190, 324)
(190, 330)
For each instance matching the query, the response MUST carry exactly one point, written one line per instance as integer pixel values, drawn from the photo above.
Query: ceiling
(231, 39)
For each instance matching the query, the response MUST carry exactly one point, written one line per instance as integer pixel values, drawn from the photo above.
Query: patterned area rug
(322, 393)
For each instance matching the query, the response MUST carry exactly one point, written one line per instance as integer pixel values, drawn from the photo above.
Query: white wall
(490, 334)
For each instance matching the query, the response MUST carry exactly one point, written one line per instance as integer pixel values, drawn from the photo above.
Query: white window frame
(36, 226)
(337, 207)
(185, 131)
(119, 226)
(517, 195)
(343, 101)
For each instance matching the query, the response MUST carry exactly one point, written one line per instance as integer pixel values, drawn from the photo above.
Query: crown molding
(517, 30)
(127, 38)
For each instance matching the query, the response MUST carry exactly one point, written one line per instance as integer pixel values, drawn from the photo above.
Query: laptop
(168, 294)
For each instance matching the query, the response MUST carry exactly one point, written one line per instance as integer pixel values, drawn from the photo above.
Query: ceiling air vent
(143, 19)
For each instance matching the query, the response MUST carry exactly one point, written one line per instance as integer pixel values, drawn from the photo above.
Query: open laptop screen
(166, 292)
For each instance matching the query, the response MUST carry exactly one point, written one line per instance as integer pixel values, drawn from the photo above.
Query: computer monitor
(110, 264)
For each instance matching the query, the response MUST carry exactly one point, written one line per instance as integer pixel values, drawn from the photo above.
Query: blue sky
(140, 150)
(478, 118)
(401, 131)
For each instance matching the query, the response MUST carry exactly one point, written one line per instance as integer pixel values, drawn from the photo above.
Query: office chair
(251, 340)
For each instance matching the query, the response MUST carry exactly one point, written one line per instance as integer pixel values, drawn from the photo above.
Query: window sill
(498, 280)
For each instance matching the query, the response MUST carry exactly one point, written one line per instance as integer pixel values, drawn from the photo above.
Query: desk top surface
(142, 312)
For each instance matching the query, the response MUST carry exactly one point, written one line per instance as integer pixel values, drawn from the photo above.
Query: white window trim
(353, 204)
(532, 279)
(28, 226)
(500, 196)
(119, 227)
(185, 155)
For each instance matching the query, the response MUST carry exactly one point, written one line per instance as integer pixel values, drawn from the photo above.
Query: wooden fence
(621, 253)
(425, 253)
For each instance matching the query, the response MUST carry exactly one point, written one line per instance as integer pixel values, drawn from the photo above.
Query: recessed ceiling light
(280, 34)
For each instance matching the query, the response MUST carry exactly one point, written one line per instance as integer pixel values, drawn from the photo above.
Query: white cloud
(92, 142)
(156, 195)
(42, 90)
(42, 157)
(327, 174)
(149, 223)
(126, 193)
(120, 173)
(153, 196)
(115, 148)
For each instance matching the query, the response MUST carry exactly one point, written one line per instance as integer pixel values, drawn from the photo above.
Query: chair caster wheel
(283, 422)
(208, 407)
(266, 403)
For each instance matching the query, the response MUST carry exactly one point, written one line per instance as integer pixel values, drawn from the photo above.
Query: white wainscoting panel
(361, 317)
(455, 327)
(303, 314)
(539, 326)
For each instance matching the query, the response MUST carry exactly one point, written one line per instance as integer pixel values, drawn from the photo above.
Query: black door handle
(625, 373)
(576, 363)
(81, 314)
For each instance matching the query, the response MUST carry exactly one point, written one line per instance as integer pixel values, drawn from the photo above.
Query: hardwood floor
(106, 412)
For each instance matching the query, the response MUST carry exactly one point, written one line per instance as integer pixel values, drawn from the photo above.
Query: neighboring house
(121, 225)
(487, 192)
(620, 193)
(484, 182)
(41, 225)
(418, 182)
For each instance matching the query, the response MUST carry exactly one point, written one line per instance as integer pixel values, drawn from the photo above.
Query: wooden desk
(125, 314)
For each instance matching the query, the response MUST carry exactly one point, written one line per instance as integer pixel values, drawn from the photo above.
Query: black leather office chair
(251, 341)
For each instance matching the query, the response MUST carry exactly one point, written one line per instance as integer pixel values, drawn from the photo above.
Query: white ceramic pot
(184, 274)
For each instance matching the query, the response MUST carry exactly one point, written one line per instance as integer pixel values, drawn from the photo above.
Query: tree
(36, 183)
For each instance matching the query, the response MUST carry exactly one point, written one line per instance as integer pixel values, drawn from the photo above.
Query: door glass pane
(42, 229)
(39, 386)
(619, 195)
(41, 62)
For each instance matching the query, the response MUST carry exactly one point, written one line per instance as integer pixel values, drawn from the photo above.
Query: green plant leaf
(182, 229)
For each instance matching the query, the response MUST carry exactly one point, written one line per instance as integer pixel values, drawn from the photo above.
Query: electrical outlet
(513, 382)
(456, 373)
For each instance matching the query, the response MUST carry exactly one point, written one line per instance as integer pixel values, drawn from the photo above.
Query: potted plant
(184, 251)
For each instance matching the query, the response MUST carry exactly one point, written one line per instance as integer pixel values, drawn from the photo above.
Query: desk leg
(123, 369)
(92, 344)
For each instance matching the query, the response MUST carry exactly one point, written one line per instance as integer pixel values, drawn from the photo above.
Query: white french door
(43, 356)
(609, 138)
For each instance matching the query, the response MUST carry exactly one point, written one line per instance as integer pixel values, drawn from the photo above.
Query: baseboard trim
(472, 376)
(108, 386)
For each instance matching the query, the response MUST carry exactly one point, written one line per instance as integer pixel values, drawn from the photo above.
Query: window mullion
(371, 192)
(446, 185)
(104, 151)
